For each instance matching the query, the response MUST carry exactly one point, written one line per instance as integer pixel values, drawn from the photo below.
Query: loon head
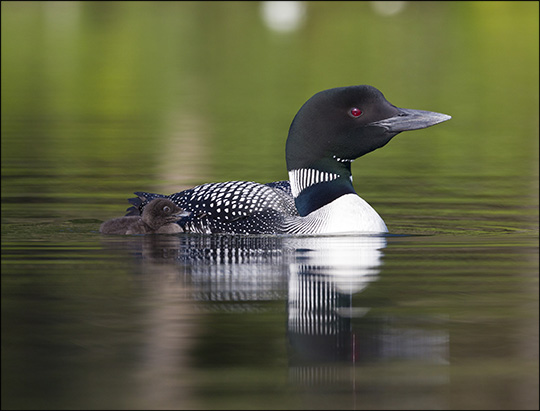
(161, 211)
(333, 128)
(344, 123)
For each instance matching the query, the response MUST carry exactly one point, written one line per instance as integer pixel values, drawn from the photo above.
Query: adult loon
(330, 130)
(158, 217)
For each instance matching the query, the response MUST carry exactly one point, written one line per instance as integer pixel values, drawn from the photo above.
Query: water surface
(103, 99)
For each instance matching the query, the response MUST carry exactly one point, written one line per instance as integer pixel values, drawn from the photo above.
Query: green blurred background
(100, 99)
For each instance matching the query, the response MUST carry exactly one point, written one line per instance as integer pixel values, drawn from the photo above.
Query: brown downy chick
(158, 217)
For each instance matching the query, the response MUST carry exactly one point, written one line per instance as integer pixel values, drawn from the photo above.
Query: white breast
(346, 214)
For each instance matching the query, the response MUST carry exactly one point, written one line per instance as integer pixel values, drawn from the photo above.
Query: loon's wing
(240, 207)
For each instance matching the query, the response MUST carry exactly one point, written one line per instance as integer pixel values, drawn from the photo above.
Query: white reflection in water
(323, 277)
(327, 330)
(350, 262)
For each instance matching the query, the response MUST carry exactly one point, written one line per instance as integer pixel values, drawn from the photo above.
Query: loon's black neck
(315, 186)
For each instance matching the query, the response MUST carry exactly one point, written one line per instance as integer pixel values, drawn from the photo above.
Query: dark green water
(103, 99)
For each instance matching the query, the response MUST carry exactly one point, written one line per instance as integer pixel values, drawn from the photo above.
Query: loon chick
(158, 217)
(333, 128)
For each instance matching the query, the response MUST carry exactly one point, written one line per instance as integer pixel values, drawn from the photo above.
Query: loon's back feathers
(330, 130)
(242, 207)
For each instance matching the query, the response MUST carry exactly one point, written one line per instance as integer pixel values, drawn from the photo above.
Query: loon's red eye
(355, 112)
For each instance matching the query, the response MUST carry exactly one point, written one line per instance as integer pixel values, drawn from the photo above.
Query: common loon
(333, 128)
(158, 217)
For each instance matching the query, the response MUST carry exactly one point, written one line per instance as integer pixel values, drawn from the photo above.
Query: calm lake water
(101, 100)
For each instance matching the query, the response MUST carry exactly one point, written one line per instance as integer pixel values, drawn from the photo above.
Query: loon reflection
(330, 322)
(322, 282)
(329, 284)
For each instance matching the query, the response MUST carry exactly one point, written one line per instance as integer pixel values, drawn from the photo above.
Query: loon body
(158, 217)
(333, 128)
(238, 207)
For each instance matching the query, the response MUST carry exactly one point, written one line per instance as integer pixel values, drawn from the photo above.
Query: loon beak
(408, 119)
